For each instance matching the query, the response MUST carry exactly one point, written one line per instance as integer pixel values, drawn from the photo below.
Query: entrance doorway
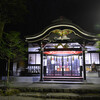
(68, 66)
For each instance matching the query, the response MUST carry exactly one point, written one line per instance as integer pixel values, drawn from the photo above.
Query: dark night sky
(84, 13)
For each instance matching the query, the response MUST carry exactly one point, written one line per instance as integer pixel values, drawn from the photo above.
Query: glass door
(67, 65)
(75, 65)
(58, 66)
(63, 66)
(50, 68)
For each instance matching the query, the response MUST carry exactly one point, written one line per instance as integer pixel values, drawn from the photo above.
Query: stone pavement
(92, 82)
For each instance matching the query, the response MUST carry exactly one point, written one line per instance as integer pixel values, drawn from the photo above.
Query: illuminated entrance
(63, 65)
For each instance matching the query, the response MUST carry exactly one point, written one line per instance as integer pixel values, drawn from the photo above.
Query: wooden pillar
(99, 58)
(41, 70)
(84, 69)
(62, 66)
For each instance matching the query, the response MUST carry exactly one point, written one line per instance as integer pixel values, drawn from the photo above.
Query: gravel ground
(24, 98)
(18, 98)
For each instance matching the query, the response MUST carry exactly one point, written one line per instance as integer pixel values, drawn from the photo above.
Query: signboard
(62, 52)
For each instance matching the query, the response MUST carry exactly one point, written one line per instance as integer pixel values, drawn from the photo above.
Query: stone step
(72, 79)
(46, 90)
(69, 96)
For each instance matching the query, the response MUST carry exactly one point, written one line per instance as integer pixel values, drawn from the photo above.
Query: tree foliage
(12, 46)
(98, 42)
(12, 10)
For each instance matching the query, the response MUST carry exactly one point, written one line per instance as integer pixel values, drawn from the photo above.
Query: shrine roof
(62, 30)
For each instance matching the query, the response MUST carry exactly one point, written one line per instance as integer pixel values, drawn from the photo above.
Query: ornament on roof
(62, 32)
(58, 34)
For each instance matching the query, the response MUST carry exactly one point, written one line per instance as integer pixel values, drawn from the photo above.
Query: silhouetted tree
(12, 47)
(11, 11)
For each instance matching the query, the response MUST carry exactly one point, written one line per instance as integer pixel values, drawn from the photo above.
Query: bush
(1, 92)
(11, 92)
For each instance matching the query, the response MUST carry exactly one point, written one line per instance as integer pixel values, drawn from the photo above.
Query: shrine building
(62, 51)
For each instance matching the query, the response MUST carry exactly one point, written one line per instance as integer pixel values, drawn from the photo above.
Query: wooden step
(50, 78)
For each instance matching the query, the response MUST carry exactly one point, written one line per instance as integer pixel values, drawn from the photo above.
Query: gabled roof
(77, 34)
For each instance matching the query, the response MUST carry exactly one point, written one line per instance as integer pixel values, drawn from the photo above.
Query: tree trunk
(8, 71)
(1, 29)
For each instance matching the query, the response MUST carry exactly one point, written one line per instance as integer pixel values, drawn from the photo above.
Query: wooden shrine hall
(60, 51)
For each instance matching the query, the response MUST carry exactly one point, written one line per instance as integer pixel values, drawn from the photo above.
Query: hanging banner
(62, 52)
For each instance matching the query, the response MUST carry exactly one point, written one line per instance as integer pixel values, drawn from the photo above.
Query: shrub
(11, 92)
(1, 92)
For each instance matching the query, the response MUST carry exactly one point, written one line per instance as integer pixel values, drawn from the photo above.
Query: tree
(12, 48)
(98, 42)
(11, 11)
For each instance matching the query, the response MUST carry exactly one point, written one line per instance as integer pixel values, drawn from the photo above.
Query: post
(62, 67)
(84, 69)
(8, 71)
(41, 71)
